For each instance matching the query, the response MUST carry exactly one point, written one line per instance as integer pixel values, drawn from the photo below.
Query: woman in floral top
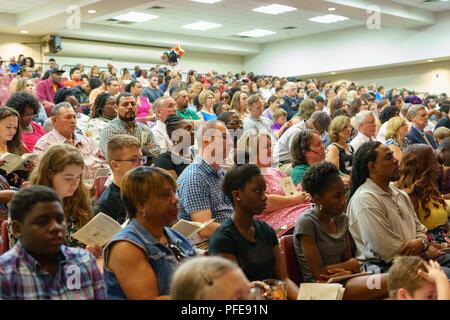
(61, 168)
(282, 209)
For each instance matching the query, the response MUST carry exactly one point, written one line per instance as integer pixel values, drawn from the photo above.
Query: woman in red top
(27, 106)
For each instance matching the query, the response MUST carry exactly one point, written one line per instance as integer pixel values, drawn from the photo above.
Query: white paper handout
(97, 232)
(14, 162)
(190, 228)
(288, 186)
(321, 291)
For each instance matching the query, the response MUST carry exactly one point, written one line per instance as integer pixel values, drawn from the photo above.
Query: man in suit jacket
(418, 116)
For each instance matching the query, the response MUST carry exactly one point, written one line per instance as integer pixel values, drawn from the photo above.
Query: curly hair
(318, 178)
(418, 177)
(20, 100)
(393, 126)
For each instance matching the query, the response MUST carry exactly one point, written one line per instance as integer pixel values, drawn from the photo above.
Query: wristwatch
(425, 244)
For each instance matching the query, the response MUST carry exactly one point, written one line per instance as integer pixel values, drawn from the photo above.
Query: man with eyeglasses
(124, 154)
(125, 123)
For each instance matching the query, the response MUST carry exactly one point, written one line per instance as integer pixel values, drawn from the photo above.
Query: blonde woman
(206, 100)
(239, 104)
(396, 131)
(339, 152)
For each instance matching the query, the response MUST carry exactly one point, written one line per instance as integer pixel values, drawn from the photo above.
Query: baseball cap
(57, 70)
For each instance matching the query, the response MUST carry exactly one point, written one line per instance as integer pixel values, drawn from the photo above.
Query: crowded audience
(356, 175)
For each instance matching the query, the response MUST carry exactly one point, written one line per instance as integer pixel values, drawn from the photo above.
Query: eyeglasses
(179, 255)
(136, 161)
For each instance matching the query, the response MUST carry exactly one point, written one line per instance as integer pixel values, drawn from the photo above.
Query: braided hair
(360, 170)
(99, 104)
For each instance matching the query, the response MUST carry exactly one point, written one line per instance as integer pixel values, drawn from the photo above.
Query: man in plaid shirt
(39, 266)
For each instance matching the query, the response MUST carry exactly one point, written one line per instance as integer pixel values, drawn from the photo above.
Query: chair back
(288, 254)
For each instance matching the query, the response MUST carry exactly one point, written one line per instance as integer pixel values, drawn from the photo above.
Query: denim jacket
(161, 258)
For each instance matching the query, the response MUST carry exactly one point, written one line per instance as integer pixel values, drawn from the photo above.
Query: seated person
(140, 260)
(307, 149)
(440, 134)
(64, 122)
(61, 168)
(322, 240)
(339, 152)
(251, 243)
(280, 123)
(66, 95)
(443, 157)
(411, 278)
(103, 112)
(10, 142)
(124, 154)
(209, 278)
(28, 107)
(125, 123)
(282, 209)
(382, 219)
(199, 186)
(37, 267)
(180, 155)
(419, 173)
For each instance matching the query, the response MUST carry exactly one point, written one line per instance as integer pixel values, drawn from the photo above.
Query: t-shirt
(164, 160)
(110, 203)
(331, 246)
(256, 259)
(29, 139)
(298, 172)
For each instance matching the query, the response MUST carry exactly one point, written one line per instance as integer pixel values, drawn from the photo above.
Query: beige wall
(13, 45)
(431, 77)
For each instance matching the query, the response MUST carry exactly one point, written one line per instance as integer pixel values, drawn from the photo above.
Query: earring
(238, 199)
(320, 207)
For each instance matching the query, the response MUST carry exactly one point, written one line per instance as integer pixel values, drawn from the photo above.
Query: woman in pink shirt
(144, 107)
(28, 107)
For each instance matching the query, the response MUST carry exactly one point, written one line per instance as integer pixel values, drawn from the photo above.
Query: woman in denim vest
(140, 260)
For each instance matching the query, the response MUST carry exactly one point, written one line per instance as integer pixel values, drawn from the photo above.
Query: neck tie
(424, 135)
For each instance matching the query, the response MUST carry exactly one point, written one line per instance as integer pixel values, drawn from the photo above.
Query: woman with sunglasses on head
(253, 244)
(140, 260)
(103, 111)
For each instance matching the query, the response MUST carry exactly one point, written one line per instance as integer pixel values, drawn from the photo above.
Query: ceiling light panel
(202, 25)
(329, 18)
(256, 33)
(136, 17)
(274, 9)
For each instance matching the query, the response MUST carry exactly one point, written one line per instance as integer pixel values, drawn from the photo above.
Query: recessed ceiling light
(136, 17)
(430, 60)
(331, 9)
(274, 8)
(24, 31)
(255, 33)
(92, 11)
(329, 18)
(201, 25)
(207, 1)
